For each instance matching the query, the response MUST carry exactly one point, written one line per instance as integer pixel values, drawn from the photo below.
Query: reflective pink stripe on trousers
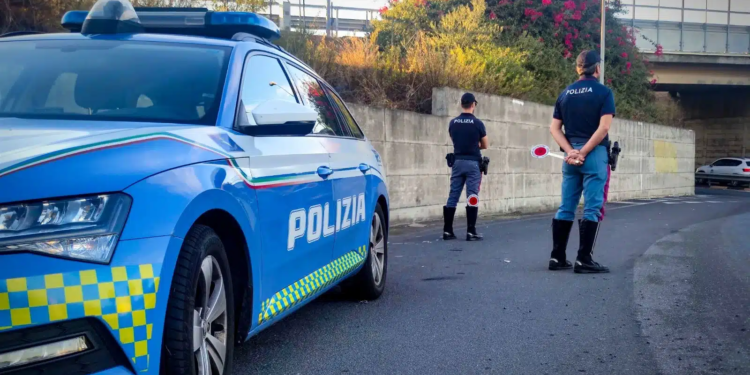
(606, 191)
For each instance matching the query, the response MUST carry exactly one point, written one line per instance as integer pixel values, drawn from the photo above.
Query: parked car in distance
(731, 171)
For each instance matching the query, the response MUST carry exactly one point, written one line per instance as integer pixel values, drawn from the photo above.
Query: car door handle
(324, 172)
(364, 168)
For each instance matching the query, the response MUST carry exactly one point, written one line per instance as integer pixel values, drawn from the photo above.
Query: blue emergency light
(119, 17)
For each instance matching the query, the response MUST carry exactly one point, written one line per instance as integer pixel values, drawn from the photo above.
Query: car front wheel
(369, 282)
(199, 327)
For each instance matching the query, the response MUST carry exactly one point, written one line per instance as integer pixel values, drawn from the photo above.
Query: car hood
(42, 159)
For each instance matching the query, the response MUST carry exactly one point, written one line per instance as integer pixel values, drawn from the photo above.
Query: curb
(726, 188)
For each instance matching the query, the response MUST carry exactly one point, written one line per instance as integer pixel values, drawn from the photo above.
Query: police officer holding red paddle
(585, 110)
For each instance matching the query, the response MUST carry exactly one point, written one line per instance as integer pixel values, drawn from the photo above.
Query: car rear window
(112, 80)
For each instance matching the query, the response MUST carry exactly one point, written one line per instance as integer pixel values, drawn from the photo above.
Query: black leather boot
(560, 234)
(585, 262)
(448, 214)
(471, 221)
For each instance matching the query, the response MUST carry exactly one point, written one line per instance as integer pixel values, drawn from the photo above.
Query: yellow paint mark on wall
(666, 157)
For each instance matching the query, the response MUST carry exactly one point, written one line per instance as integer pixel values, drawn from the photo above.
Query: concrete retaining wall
(718, 138)
(656, 160)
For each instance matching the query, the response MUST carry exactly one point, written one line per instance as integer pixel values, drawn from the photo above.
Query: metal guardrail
(721, 178)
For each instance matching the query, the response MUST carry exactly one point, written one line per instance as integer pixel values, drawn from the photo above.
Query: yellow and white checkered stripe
(311, 284)
(124, 297)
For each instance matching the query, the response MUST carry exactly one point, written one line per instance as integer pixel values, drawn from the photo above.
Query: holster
(451, 159)
(484, 165)
(613, 153)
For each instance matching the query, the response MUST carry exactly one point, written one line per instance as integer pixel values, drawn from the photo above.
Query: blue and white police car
(172, 183)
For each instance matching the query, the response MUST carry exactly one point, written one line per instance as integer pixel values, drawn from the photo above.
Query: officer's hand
(575, 158)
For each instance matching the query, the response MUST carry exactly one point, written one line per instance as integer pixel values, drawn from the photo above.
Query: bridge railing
(320, 17)
(700, 26)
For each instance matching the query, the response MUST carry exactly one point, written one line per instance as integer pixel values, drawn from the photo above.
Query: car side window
(349, 121)
(718, 163)
(314, 97)
(734, 163)
(264, 79)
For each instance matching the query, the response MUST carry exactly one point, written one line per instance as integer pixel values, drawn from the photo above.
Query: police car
(172, 183)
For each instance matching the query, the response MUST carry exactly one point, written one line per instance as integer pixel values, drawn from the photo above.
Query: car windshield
(112, 80)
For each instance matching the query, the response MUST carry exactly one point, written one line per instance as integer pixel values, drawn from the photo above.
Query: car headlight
(85, 228)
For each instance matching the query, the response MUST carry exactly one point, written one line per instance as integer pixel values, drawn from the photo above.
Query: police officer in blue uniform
(469, 136)
(585, 109)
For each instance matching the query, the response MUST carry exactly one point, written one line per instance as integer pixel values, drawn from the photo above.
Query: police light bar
(180, 21)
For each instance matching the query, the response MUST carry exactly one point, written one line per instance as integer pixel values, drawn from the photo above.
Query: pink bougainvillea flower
(541, 40)
(546, 2)
(577, 15)
(659, 50)
(559, 18)
(383, 10)
(629, 65)
(493, 15)
(570, 5)
(653, 81)
(609, 80)
(624, 55)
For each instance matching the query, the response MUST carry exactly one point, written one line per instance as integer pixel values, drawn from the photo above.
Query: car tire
(197, 328)
(369, 282)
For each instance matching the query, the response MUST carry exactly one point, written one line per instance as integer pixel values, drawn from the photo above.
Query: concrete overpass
(705, 65)
(675, 70)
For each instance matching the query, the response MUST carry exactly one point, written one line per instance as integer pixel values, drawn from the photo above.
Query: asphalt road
(677, 302)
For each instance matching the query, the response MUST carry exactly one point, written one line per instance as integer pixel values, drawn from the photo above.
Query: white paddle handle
(561, 157)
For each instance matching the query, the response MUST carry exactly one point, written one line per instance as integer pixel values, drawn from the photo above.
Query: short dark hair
(466, 105)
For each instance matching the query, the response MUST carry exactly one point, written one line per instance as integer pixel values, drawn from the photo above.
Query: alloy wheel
(210, 319)
(377, 249)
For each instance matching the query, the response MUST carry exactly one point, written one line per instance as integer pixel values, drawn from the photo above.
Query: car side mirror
(277, 118)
